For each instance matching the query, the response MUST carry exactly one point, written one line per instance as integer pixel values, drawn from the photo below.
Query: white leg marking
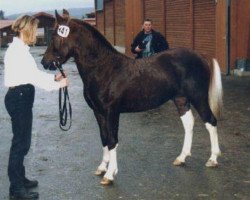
(215, 149)
(105, 160)
(188, 123)
(112, 168)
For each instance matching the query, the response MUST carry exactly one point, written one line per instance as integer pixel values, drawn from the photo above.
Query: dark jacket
(158, 43)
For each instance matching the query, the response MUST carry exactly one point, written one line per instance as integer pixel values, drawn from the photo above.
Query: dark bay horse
(115, 83)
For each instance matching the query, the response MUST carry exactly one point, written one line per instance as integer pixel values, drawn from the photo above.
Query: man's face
(147, 26)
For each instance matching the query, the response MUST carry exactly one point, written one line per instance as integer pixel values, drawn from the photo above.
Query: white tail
(215, 90)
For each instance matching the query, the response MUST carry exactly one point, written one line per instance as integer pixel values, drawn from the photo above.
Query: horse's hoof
(99, 172)
(106, 181)
(178, 163)
(211, 163)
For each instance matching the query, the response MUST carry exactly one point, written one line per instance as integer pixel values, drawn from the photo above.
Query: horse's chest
(90, 99)
(95, 98)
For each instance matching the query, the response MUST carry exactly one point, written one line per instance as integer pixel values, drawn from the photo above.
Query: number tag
(63, 31)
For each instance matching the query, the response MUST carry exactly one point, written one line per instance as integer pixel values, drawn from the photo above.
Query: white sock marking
(215, 149)
(105, 160)
(188, 123)
(112, 168)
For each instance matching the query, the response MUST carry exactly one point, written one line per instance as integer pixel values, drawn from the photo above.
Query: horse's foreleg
(188, 123)
(102, 168)
(215, 150)
(112, 168)
(112, 139)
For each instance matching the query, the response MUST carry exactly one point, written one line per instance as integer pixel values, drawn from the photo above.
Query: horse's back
(187, 66)
(152, 81)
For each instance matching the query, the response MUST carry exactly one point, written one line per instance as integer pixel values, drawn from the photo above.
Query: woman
(21, 75)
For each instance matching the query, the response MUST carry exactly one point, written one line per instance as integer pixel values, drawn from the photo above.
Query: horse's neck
(95, 53)
(100, 68)
(90, 62)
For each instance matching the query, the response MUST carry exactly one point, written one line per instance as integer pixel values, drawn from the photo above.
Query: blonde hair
(26, 25)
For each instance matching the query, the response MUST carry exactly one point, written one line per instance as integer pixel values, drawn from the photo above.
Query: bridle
(65, 109)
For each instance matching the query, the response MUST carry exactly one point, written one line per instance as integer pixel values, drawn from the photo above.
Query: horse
(115, 83)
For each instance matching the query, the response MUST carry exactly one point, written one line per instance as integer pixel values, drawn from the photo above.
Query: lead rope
(65, 106)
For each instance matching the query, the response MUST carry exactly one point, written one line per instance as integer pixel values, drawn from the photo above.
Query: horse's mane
(96, 34)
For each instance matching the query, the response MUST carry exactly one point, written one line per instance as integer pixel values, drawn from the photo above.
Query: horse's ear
(65, 13)
(59, 18)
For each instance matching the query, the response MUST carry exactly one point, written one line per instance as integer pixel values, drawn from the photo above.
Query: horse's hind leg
(210, 121)
(187, 119)
(215, 149)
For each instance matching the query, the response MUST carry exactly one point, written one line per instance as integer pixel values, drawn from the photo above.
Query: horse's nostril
(42, 61)
(45, 65)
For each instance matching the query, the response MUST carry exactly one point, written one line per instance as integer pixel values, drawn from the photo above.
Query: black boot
(22, 193)
(30, 183)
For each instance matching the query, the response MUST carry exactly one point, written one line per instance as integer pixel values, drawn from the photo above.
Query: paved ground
(64, 162)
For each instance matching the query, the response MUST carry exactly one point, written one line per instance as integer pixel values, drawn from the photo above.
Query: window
(40, 32)
(99, 4)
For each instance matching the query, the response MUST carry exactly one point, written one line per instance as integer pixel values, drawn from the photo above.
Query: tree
(2, 14)
(91, 15)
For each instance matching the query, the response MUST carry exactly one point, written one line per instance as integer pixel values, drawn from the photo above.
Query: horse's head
(61, 46)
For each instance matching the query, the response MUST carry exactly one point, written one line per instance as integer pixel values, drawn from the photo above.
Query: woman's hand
(59, 77)
(64, 82)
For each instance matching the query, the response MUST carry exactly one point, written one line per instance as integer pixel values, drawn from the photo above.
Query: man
(148, 41)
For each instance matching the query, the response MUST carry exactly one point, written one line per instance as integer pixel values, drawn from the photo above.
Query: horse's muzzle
(48, 65)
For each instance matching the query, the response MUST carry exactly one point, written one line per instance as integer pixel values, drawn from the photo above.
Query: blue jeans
(19, 102)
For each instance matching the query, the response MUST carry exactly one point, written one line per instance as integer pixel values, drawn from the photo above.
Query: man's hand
(137, 49)
(142, 45)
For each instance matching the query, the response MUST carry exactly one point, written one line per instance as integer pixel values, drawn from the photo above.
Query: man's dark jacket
(158, 43)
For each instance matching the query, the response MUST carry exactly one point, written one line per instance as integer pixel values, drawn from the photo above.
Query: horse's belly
(142, 104)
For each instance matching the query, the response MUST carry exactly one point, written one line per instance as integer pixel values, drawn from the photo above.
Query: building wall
(100, 21)
(109, 21)
(154, 10)
(133, 22)
(189, 23)
(221, 33)
(178, 24)
(185, 23)
(119, 7)
(196, 24)
(240, 30)
(204, 27)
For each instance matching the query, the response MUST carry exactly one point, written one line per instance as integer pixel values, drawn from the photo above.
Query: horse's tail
(215, 90)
